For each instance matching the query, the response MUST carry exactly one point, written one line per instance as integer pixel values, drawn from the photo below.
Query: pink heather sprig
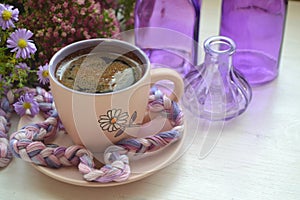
(123, 9)
(66, 22)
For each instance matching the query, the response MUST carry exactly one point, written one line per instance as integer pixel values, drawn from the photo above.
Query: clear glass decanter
(215, 90)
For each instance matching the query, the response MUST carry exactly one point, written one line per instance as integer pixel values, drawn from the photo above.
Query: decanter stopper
(215, 90)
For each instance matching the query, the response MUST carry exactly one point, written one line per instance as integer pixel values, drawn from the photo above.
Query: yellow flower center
(26, 105)
(113, 120)
(45, 73)
(22, 43)
(6, 15)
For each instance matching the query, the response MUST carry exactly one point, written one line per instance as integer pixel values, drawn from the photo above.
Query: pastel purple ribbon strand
(5, 113)
(28, 142)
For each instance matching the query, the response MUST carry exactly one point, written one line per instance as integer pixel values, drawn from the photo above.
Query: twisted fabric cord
(5, 154)
(5, 114)
(29, 142)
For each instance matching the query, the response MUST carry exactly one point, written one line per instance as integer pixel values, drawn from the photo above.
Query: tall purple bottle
(257, 27)
(168, 31)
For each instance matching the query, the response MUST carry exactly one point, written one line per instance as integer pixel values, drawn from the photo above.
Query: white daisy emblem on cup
(114, 120)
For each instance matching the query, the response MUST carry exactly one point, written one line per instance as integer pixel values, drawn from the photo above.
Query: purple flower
(22, 66)
(7, 16)
(43, 74)
(26, 102)
(19, 41)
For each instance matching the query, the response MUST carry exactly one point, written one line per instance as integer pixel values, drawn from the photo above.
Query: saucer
(141, 167)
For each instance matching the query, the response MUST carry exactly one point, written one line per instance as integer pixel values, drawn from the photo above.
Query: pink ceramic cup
(94, 119)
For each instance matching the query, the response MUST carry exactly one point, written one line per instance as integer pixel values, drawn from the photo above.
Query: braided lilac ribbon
(5, 113)
(29, 143)
(5, 154)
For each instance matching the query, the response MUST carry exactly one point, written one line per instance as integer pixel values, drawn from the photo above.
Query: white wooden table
(255, 156)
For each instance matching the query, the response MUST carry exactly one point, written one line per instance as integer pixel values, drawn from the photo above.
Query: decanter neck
(218, 53)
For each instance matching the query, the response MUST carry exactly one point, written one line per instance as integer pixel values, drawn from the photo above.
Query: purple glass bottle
(168, 31)
(257, 28)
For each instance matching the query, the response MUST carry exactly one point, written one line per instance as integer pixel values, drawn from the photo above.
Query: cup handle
(160, 74)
